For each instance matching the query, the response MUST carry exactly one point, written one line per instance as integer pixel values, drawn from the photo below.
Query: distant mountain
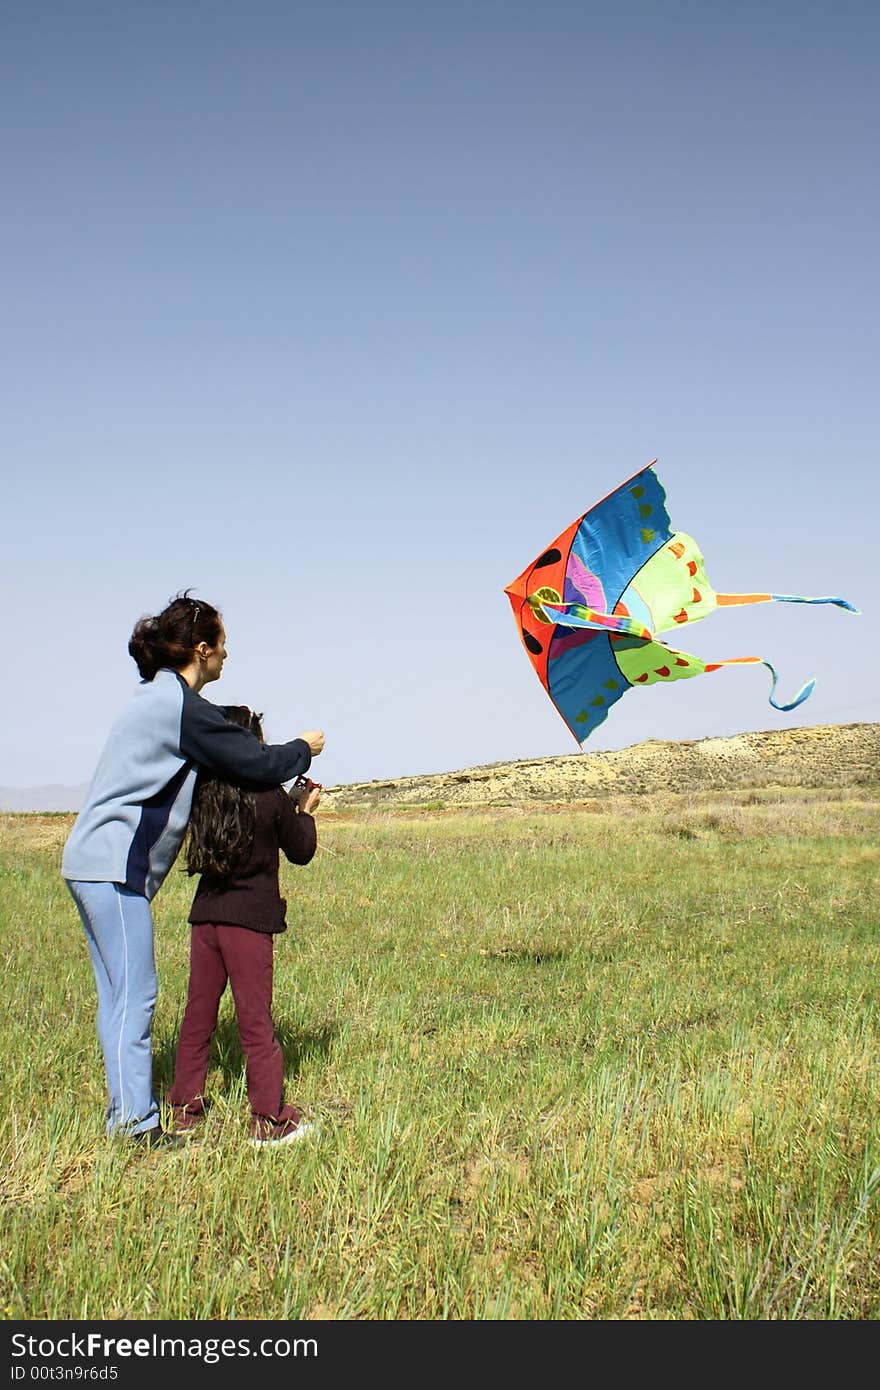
(825, 755)
(42, 798)
(839, 755)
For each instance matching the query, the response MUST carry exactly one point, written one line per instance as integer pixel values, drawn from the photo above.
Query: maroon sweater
(250, 897)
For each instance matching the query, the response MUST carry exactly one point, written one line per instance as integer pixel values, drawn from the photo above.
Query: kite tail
(795, 598)
(803, 694)
(735, 600)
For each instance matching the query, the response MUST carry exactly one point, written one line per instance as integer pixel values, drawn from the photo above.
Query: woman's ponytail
(170, 638)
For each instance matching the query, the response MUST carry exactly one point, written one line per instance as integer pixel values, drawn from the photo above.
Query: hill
(832, 755)
(825, 755)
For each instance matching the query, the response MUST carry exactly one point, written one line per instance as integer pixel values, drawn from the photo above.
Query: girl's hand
(305, 794)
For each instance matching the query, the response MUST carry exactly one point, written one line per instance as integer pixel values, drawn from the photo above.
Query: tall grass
(606, 1062)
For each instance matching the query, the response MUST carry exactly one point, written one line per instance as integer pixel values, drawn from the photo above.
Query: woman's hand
(315, 739)
(310, 801)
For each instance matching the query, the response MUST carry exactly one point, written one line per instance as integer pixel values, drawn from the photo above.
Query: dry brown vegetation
(827, 755)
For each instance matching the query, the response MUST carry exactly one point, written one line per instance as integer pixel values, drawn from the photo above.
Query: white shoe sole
(302, 1129)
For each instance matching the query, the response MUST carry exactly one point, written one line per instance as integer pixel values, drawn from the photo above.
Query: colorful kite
(590, 607)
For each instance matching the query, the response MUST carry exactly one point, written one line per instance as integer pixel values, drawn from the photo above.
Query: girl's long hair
(221, 825)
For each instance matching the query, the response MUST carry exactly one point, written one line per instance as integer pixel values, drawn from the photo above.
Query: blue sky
(339, 313)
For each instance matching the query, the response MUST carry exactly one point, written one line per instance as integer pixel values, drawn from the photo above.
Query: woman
(128, 833)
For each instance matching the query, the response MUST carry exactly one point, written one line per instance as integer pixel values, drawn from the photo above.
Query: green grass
(617, 1062)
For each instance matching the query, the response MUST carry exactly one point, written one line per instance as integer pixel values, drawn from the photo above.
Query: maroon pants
(243, 957)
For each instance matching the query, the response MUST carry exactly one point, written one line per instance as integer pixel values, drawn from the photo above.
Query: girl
(129, 830)
(235, 835)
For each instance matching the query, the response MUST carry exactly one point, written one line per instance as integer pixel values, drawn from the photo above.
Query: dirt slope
(833, 755)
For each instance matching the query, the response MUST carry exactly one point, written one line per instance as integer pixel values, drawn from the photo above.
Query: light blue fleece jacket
(136, 809)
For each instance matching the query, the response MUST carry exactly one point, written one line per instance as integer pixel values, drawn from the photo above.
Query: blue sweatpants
(119, 931)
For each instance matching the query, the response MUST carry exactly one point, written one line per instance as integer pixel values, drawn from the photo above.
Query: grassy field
(620, 1060)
